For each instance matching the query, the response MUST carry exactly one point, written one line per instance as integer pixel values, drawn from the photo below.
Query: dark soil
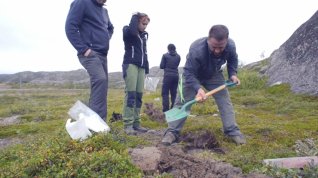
(181, 160)
(154, 113)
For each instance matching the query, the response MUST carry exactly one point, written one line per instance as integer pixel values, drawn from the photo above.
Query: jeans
(96, 67)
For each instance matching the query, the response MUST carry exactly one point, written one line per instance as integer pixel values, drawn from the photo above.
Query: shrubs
(60, 156)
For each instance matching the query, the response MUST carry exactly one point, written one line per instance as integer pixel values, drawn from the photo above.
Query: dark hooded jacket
(201, 64)
(88, 26)
(170, 62)
(135, 45)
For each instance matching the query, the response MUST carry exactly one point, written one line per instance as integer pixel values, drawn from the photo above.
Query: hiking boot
(168, 139)
(140, 129)
(238, 139)
(129, 130)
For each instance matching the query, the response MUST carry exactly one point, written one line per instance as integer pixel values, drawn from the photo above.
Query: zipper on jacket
(132, 52)
(142, 50)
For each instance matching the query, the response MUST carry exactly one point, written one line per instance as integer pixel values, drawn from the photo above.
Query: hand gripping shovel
(176, 113)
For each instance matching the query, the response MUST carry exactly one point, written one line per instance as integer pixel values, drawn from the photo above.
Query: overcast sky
(32, 36)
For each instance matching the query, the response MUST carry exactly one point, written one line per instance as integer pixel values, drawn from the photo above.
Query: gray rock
(296, 61)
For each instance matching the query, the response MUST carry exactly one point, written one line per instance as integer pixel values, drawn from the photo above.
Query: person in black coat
(135, 66)
(169, 63)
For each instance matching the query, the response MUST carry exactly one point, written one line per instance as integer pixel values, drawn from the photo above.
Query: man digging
(203, 69)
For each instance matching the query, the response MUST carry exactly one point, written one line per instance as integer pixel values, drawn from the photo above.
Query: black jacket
(135, 45)
(170, 62)
(88, 26)
(201, 64)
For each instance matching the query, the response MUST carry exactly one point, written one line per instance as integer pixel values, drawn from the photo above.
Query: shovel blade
(175, 114)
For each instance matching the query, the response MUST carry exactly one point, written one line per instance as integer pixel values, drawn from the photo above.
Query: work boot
(238, 139)
(138, 128)
(129, 130)
(168, 139)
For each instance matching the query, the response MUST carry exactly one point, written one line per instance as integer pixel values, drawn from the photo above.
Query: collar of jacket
(96, 3)
(143, 34)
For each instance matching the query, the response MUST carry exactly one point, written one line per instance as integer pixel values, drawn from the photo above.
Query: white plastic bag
(151, 83)
(77, 129)
(85, 117)
(94, 123)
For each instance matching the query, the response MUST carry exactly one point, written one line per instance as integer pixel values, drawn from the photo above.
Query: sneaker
(168, 139)
(238, 139)
(140, 129)
(129, 130)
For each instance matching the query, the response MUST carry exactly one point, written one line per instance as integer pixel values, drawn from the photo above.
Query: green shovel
(176, 113)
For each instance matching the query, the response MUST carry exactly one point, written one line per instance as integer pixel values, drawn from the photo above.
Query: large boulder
(296, 61)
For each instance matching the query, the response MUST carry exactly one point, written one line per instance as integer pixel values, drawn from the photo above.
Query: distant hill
(68, 78)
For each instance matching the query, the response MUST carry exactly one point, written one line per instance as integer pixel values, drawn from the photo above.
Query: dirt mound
(116, 117)
(201, 140)
(176, 162)
(154, 114)
(179, 160)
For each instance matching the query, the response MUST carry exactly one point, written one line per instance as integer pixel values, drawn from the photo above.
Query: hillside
(68, 78)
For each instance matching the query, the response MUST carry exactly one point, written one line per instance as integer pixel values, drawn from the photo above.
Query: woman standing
(135, 66)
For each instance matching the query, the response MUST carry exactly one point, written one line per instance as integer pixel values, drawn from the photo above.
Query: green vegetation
(272, 118)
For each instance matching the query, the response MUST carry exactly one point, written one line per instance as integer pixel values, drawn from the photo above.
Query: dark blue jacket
(201, 64)
(170, 62)
(88, 26)
(135, 45)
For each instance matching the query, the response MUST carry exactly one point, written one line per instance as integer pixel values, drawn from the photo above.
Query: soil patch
(116, 117)
(201, 140)
(180, 164)
(10, 120)
(154, 113)
(6, 142)
(181, 160)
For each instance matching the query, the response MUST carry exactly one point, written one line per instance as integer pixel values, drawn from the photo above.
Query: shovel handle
(217, 90)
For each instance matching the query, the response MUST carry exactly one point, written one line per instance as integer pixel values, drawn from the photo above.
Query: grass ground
(272, 118)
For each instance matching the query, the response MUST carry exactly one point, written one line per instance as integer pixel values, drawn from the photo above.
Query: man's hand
(87, 52)
(201, 95)
(235, 80)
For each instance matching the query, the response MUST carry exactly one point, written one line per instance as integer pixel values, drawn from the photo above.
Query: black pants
(169, 86)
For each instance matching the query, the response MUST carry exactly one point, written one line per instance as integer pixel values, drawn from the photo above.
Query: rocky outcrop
(296, 61)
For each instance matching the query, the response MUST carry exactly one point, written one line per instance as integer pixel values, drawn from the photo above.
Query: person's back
(169, 63)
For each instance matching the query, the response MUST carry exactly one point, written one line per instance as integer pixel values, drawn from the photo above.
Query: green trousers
(134, 79)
